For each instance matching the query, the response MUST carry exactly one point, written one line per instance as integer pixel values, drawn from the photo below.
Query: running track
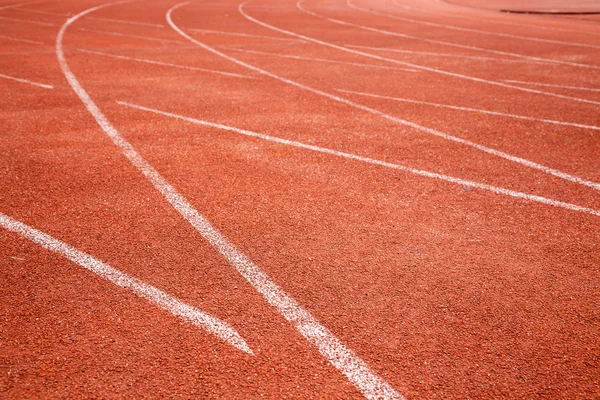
(314, 199)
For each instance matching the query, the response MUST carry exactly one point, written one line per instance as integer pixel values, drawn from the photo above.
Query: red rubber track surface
(443, 290)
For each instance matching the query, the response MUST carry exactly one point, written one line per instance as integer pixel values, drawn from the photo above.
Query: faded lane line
(475, 110)
(28, 10)
(163, 300)
(430, 53)
(27, 21)
(452, 44)
(20, 40)
(155, 39)
(165, 64)
(552, 85)
(42, 85)
(11, 6)
(459, 28)
(401, 121)
(123, 21)
(320, 59)
(342, 358)
(428, 174)
(212, 32)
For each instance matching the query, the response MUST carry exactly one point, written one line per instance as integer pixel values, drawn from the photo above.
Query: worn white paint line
(441, 42)
(26, 21)
(123, 21)
(154, 39)
(163, 300)
(248, 35)
(480, 31)
(428, 174)
(475, 110)
(54, 14)
(413, 65)
(421, 128)
(20, 40)
(212, 71)
(342, 358)
(7, 7)
(588, 89)
(430, 53)
(12, 78)
(320, 59)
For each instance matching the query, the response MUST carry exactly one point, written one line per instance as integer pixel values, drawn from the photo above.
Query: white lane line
(409, 64)
(452, 44)
(430, 53)
(421, 128)
(212, 32)
(428, 174)
(165, 64)
(27, 21)
(11, 6)
(42, 85)
(123, 21)
(20, 40)
(320, 59)
(553, 85)
(341, 357)
(54, 14)
(155, 39)
(463, 29)
(163, 300)
(475, 110)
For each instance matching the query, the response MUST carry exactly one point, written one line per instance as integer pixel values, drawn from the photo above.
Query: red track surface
(443, 289)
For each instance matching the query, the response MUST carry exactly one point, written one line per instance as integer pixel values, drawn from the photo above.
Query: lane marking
(553, 85)
(11, 6)
(42, 85)
(321, 60)
(27, 21)
(430, 53)
(165, 64)
(54, 14)
(421, 128)
(20, 40)
(211, 32)
(452, 44)
(123, 21)
(155, 39)
(163, 300)
(428, 174)
(475, 110)
(342, 358)
(459, 28)
(405, 63)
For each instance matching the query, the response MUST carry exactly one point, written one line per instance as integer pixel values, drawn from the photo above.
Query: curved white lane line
(435, 70)
(154, 39)
(123, 21)
(12, 78)
(341, 357)
(163, 300)
(587, 89)
(421, 128)
(460, 28)
(444, 43)
(428, 174)
(475, 110)
(248, 35)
